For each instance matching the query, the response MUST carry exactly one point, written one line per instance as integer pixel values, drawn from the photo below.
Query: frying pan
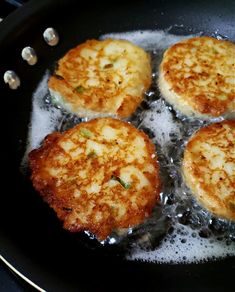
(31, 238)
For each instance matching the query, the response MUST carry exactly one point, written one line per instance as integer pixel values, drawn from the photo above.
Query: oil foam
(191, 234)
(44, 119)
(194, 234)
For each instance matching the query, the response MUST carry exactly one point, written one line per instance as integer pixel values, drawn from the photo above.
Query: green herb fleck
(86, 133)
(214, 50)
(92, 154)
(222, 97)
(124, 184)
(55, 101)
(80, 89)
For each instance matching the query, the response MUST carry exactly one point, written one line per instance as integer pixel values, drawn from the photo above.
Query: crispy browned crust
(209, 168)
(108, 81)
(58, 174)
(198, 76)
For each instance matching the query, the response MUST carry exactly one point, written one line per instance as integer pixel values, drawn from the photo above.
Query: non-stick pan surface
(31, 238)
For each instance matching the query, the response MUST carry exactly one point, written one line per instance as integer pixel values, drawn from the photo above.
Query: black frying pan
(31, 238)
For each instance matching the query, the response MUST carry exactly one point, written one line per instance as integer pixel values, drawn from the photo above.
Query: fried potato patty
(99, 176)
(209, 168)
(102, 77)
(197, 76)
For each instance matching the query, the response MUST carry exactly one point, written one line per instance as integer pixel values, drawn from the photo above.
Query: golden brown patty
(99, 176)
(102, 77)
(209, 168)
(197, 76)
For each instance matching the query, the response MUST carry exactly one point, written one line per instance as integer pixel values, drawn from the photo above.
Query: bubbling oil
(179, 230)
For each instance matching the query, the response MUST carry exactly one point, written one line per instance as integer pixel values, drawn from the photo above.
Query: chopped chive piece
(124, 184)
(222, 97)
(55, 101)
(86, 133)
(92, 154)
(80, 89)
(214, 50)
